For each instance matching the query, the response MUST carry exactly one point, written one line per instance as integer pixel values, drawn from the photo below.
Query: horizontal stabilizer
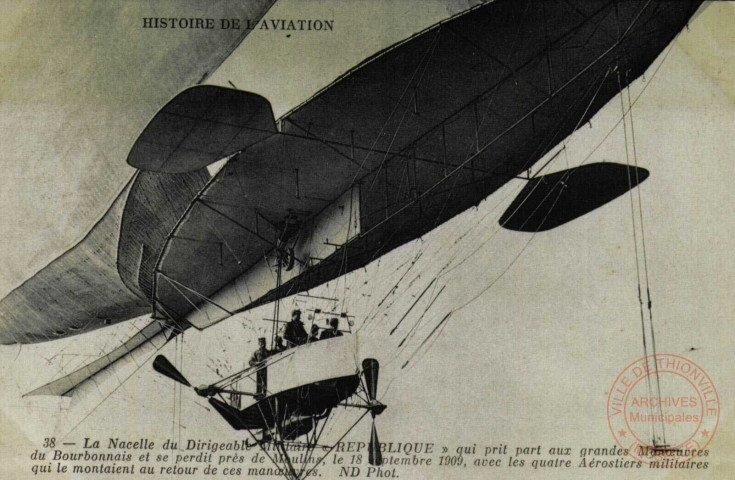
(549, 201)
(64, 385)
(199, 126)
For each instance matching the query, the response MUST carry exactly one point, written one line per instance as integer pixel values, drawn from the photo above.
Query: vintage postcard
(367, 239)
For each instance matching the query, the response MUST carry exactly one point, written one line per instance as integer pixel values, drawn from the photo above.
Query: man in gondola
(295, 333)
(333, 331)
(314, 335)
(279, 346)
(261, 377)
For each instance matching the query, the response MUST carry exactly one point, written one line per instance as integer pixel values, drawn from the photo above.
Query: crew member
(261, 376)
(295, 333)
(314, 335)
(333, 331)
(279, 346)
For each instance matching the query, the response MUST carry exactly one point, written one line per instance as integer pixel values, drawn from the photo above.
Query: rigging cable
(645, 87)
(559, 182)
(443, 321)
(645, 263)
(637, 260)
(120, 384)
(589, 155)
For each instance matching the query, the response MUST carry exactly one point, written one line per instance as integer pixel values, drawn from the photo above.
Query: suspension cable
(635, 249)
(645, 263)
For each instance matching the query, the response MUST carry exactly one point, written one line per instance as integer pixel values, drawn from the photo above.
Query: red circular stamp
(663, 409)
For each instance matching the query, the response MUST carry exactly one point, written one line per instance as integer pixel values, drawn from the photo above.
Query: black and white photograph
(366, 239)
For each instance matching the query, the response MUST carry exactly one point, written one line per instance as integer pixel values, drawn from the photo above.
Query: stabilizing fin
(199, 126)
(64, 385)
(549, 201)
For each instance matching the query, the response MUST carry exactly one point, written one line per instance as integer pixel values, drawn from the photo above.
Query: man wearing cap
(314, 335)
(333, 331)
(261, 376)
(295, 333)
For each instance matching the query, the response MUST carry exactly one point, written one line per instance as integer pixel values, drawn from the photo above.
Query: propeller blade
(375, 458)
(164, 367)
(370, 369)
